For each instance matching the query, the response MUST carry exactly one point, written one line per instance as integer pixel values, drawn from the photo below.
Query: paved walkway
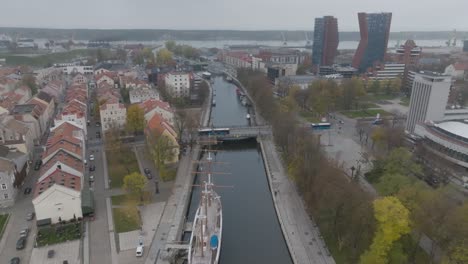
(301, 234)
(68, 251)
(150, 214)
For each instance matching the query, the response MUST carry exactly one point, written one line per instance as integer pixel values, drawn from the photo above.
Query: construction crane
(285, 42)
(307, 39)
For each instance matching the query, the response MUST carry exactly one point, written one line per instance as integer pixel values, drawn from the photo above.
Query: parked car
(37, 165)
(15, 260)
(98, 134)
(24, 232)
(30, 216)
(147, 171)
(149, 176)
(20, 243)
(139, 251)
(92, 168)
(50, 253)
(91, 157)
(98, 124)
(27, 190)
(91, 178)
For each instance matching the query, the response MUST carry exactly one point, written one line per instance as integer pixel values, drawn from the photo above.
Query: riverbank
(173, 220)
(302, 235)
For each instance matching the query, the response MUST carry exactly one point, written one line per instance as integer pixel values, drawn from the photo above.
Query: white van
(139, 251)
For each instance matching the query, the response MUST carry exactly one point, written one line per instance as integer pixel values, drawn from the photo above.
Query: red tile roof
(58, 177)
(159, 124)
(63, 158)
(10, 99)
(460, 66)
(151, 104)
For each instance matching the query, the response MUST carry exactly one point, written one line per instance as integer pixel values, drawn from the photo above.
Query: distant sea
(223, 43)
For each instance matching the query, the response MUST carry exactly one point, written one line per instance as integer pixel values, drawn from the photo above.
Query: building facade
(178, 84)
(113, 115)
(325, 44)
(429, 97)
(374, 31)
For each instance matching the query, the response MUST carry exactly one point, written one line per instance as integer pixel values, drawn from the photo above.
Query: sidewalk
(302, 237)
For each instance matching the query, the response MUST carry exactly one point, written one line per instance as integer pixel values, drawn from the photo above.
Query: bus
(213, 131)
(320, 126)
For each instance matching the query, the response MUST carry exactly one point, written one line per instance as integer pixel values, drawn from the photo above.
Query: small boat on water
(205, 241)
(229, 79)
(213, 103)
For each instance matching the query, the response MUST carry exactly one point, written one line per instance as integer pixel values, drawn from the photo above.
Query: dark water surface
(251, 231)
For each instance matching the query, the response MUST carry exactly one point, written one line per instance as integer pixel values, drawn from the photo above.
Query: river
(251, 231)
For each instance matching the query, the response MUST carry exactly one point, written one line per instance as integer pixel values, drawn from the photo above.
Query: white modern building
(390, 71)
(457, 70)
(448, 139)
(75, 69)
(429, 97)
(178, 84)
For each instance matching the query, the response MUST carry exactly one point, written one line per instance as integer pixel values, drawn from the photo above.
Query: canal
(251, 231)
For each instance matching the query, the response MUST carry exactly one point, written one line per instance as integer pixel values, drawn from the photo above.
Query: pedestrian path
(302, 236)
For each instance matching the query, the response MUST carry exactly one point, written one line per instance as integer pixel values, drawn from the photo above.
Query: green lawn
(120, 164)
(365, 113)
(405, 101)
(377, 97)
(309, 116)
(169, 175)
(58, 234)
(3, 223)
(126, 219)
(47, 59)
(118, 200)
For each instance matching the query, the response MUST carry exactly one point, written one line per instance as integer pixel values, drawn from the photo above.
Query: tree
(378, 136)
(375, 87)
(135, 119)
(392, 222)
(135, 183)
(170, 45)
(304, 67)
(390, 184)
(30, 81)
(161, 149)
(121, 54)
(164, 57)
(100, 55)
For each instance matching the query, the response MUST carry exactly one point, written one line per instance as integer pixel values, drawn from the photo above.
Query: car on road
(50, 253)
(37, 165)
(27, 190)
(92, 168)
(149, 176)
(91, 178)
(91, 157)
(139, 251)
(24, 232)
(30, 216)
(98, 124)
(20, 243)
(15, 260)
(98, 134)
(341, 122)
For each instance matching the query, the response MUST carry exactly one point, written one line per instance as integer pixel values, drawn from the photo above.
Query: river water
(251, 231)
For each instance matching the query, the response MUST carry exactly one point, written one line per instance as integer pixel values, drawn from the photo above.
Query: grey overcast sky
(229, 14)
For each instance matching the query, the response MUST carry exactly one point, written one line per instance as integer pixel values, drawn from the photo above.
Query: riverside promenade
(302, 235)
(173, 220)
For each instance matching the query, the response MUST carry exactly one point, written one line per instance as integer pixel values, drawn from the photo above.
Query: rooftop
(455, 127)
(58, 177)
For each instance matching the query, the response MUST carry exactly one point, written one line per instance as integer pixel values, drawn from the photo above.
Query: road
(17, 222)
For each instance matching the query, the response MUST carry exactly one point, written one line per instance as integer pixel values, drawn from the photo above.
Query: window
(4, 187)
(5, 195)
